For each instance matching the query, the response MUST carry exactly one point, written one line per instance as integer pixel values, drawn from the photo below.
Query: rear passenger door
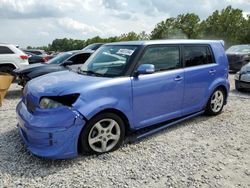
(200, 71)
(158, 97)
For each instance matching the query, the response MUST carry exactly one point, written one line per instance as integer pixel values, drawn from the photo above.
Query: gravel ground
(201, 152)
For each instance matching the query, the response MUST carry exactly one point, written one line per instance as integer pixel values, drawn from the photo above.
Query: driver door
(158, 97)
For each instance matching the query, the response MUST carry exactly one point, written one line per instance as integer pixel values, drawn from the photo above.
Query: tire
(216, 102)
(103, 133)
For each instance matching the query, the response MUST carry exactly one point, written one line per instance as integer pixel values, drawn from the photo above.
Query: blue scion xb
(124, 87)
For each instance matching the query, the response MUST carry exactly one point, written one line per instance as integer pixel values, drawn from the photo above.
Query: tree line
(229, 24)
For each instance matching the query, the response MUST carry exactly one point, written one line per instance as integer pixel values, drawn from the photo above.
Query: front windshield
(239, 49)
(60, 58)
(110, 60)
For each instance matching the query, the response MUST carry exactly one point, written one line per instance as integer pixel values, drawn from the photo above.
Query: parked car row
(11, 57)
(63, 61)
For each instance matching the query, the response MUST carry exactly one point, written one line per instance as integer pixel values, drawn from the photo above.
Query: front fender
(90, 109)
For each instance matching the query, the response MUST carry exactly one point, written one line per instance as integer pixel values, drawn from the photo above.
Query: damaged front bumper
(52, 133)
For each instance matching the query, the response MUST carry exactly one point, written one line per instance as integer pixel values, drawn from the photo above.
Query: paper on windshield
(125, 52)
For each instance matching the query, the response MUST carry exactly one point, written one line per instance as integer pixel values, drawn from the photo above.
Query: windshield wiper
(89, 72)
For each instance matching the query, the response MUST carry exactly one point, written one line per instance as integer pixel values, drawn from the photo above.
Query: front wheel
(103, 133)
(216, 102)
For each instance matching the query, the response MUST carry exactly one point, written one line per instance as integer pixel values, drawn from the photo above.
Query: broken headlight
(58, 101)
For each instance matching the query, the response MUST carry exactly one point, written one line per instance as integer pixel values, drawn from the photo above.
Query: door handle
(212, 71)
(178, 78)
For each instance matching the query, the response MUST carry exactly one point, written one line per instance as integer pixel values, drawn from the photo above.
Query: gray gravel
(202, 152)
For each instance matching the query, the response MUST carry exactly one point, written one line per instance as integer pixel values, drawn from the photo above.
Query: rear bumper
(52, 135)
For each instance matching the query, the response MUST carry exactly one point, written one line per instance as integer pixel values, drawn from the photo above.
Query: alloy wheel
(217, 101)
(104, 135)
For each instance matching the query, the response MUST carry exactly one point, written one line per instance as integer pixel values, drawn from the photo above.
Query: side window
(197, 55)
(5, 50)
(80, 58)
(162, 57)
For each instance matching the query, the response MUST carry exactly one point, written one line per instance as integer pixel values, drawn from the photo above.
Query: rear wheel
(216, 102)
(105, 132)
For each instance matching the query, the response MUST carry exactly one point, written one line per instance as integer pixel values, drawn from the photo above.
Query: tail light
(24, 57)
(45, 58)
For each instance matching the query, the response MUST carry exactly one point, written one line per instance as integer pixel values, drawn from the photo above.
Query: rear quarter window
(197, 55)
(5, 50)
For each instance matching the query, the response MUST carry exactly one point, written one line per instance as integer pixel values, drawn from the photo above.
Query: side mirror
(145, 69)
(67, 63)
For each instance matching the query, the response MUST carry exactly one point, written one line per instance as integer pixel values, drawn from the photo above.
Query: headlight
(58, 101)
(49, 103)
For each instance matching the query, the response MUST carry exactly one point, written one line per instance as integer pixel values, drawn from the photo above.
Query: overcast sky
(38, 22)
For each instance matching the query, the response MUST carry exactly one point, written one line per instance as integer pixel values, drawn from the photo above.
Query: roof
(169, 41)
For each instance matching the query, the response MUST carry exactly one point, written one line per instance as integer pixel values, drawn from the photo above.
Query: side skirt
(145, 132)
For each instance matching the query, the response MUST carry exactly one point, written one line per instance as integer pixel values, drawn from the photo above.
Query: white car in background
(11, 58)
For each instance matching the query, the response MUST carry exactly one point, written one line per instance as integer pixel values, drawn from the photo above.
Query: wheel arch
(8, 65)
(217, 86)
(108, 110)
(120, 114)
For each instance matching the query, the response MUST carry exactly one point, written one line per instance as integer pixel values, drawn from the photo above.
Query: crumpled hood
(63, 82)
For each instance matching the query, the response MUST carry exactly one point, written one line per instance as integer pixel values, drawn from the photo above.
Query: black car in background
(238, 56)
(33, 58)
(63, 61)
(242, 78)
(35, 51)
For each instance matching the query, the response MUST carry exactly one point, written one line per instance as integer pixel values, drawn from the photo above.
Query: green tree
(228, 24)
(189, 25)
(245, 37)
(129, 36)
(144, 36)
(164, 29)
(184, 26)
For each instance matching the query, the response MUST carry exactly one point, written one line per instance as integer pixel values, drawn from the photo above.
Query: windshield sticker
(125, 52)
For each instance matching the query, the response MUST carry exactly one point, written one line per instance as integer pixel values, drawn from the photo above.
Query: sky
(39, 22)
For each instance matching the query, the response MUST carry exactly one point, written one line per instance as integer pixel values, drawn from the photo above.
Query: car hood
(44, 70)
(62, 83)
(245, 68)
(29, 68)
